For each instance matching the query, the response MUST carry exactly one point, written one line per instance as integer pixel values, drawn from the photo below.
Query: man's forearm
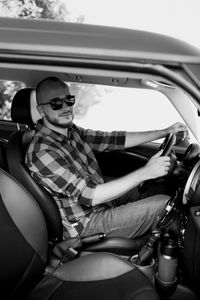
(137, 138)
(111, 190)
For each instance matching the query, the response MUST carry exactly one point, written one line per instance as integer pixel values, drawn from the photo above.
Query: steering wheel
(166, 146)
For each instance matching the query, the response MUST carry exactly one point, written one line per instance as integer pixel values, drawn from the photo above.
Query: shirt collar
(53, 134)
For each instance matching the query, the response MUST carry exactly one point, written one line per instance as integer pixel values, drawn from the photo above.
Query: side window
(117, 108)
(7, 92)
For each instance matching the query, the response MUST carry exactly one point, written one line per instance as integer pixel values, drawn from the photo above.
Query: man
(60, 157)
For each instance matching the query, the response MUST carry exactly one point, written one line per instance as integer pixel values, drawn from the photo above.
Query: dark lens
(70, 100)
(56, 104)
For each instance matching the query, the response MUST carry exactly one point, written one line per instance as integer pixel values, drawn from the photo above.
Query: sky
(177, 18)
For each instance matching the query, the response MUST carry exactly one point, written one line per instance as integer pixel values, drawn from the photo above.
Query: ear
(40, 110)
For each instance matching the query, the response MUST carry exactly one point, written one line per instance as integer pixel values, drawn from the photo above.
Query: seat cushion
(96, 276)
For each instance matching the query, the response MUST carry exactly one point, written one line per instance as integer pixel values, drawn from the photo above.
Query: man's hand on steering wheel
(160, 163)
(180, 131)
(157, 166)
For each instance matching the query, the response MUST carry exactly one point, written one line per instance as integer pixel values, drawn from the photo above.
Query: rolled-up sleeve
(103, 141)
(60, 177)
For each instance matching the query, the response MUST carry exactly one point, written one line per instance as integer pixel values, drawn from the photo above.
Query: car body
(124, 60)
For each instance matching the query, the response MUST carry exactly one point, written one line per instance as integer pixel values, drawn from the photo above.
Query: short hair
(46, 83)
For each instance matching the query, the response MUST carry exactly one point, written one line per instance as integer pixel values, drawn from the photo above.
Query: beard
(57, 123)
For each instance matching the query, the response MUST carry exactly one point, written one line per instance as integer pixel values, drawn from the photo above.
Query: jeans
(128, 216)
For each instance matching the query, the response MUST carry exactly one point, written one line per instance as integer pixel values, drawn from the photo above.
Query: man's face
(61, 117)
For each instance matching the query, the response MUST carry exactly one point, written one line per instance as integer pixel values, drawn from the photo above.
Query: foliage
(7, 92)
(48, 9)
(39, 9)
(86, 96)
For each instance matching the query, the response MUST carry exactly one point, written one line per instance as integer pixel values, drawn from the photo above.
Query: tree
(7, 92)
(19, 8)
(35, 9)
(87, 95)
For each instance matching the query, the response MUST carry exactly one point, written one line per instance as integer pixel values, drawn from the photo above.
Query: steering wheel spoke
(168, 144)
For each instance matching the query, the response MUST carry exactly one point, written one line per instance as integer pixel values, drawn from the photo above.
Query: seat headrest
(24, 107)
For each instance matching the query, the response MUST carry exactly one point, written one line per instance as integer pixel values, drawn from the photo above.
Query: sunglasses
(57, 103)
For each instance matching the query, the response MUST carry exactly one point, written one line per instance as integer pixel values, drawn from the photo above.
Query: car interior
(36, 262)
(60, 252)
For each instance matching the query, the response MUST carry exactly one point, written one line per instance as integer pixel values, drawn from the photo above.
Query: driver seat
(24, 257)
(24, 111)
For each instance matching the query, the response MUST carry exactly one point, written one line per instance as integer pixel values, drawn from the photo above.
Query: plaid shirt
(67, 168)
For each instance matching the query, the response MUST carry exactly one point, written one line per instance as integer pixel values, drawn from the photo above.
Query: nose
(65, 105)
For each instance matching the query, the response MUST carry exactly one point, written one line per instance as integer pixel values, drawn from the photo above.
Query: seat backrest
(7, 128)
(24, 107)
(16, 150)
(23, 235)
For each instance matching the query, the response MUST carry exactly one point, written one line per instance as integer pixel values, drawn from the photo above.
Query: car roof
(82, 40)
(33, 49)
